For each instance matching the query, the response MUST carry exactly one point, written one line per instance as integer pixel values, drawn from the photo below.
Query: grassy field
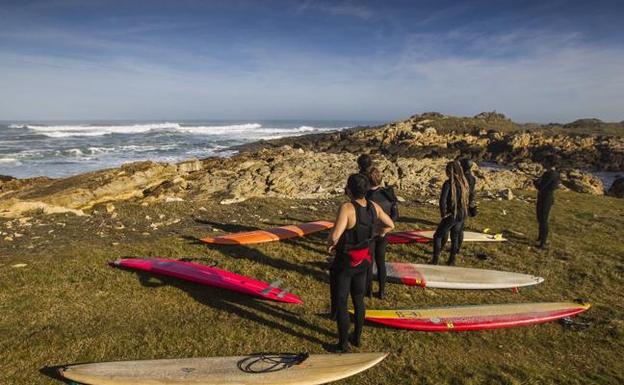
(67, 306)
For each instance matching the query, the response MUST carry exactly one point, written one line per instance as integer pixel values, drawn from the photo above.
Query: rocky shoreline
(411, 154)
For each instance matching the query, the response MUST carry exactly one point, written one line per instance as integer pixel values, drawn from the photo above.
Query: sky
(535, 61)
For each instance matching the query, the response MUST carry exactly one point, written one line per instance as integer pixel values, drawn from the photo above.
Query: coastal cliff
(410, 153)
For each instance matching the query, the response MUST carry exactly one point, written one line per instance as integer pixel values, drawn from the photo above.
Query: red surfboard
(478, 317)
(210, 276)
(400, 237)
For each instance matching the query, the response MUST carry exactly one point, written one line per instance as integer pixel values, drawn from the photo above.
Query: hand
(331, 249)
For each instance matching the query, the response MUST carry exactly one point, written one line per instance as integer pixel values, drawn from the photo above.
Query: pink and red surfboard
(401, 237)
(210, 276)
(479, 317)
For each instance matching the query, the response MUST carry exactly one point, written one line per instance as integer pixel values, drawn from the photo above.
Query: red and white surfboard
(451, 277)
(479, 317)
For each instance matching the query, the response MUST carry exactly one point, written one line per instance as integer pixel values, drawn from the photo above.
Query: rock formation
(411, 154)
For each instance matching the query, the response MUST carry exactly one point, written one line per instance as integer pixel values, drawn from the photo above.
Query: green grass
(67, 306)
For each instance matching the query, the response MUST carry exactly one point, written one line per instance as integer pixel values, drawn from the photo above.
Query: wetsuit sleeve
(444, 195)
(538, 183)
(550, 181)
(472, 181)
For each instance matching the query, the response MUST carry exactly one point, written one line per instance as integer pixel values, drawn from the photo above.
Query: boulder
(617, 188)
(582, 182)
(15, 208)
(506, 194)
(190, 166)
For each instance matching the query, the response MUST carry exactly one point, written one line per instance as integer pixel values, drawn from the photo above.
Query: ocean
(60, 149)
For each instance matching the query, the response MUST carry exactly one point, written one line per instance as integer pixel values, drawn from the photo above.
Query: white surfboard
(277, 369)
(469, 236)
(451, 277)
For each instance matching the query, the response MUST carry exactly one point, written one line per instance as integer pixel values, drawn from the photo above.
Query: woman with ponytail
(454, 201)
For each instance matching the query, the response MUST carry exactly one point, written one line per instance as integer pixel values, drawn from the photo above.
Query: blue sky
(538, 61)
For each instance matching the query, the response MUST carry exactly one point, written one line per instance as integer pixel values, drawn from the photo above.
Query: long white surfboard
(451, 277)
(278, 369)
(469, 236)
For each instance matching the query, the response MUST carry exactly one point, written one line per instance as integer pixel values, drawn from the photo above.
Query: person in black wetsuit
(453, 210)
(472, 197)
(472, 182)
(365, 162)
(546, 186)
(387, 200)
(351, 240)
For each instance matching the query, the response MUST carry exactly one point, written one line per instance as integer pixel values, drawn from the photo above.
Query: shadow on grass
(53, 373)
(226, 227)
(417, 221)
(251, 254)
(256, 310)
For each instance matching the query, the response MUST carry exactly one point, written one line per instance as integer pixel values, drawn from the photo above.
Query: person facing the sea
(351, 240)
(387, 200)
(453, 210)
(365, 162)
(466, 165)
(546, 186)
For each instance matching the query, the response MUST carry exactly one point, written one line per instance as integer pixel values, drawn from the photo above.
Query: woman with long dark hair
(351, 239)
(454, 200)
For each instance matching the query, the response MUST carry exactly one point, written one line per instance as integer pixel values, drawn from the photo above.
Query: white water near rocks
(59, 149)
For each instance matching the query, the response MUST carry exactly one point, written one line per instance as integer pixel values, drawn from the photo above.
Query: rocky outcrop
(411, 154)
(617, 188)
(582, 182)
(487, 136)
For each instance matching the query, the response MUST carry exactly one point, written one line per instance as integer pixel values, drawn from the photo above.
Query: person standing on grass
(351, 240)
(387, 200)
(546, 186)
(365, 162)
(466, 165)
(472, 196)
(453, 210)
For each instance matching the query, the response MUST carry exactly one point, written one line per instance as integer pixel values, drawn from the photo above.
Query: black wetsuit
(546, 186)
(386, 200)
(451, 222)
(347, 279)
(472, 203)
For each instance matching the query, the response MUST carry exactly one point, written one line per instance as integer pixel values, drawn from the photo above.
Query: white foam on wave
(255, 130)
(10, 160)
(93, 130)
(221, 130)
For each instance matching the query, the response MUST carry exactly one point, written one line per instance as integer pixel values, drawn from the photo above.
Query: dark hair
(458, 182)
(466, 164)
(358, 185)
(365, 162)
(550, 160)
(374, 176)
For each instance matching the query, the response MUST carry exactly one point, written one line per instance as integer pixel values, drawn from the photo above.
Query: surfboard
(274, 369)
(269, 235)
(210, 276)
(425, 236)
(477, 317)
(451, 277)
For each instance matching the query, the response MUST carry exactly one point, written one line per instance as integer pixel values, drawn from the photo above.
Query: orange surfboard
(270, 235)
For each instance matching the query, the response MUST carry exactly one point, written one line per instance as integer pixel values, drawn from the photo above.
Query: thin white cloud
(557, 77)
(349, 9)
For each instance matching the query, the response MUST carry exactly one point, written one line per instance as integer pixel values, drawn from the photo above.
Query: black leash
(271, 362)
